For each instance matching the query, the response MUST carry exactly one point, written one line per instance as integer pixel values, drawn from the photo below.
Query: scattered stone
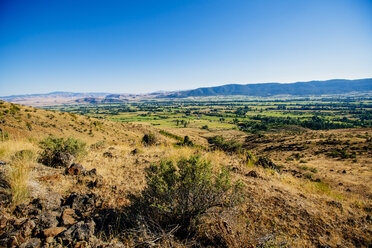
(64, 159)
(98, 182)
(20, 210)
(92, 172)
(49, 240)
(69, 217)
(75, 169)
(5, 196)
(53, 231)
(79, 232)
(3, 222)
(108, 155)
(27, 228)
(81, 244)
(135, 151)
(47, 220)
(52, 202)
(252, 174)
(82, 202)
(32, 243)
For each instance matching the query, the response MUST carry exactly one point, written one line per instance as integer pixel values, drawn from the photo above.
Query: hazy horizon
(143, 93)
(148, 46)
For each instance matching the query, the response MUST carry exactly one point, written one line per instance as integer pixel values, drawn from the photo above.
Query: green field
(251, 115)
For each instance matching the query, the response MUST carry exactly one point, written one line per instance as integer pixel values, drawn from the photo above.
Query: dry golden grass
(19, 167)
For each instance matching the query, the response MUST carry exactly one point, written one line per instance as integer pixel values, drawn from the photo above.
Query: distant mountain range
(57, 94)
(312, 88)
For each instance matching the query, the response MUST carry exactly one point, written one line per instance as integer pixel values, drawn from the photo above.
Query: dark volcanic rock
(252, 174)
(108, 155)
(52, 202)
(78, 232)
(69, 217)
(75, 169)
(81, 202)
(53, 231)
(32, 243)
(5, 196)
(64, 159)
(47, 219)
(98, 182)
(92, 172)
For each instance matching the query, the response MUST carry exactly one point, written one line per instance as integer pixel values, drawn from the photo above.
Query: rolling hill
(313, 88)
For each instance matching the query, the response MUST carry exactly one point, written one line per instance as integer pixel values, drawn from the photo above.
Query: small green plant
(57, 151)
(149, 139)
(98, 145)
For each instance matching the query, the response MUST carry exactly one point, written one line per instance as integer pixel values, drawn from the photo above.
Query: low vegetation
(230, 146)
(60, 151)
(176, 196)
(149, 139)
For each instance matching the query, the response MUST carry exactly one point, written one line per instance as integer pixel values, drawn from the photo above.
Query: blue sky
(144, 46)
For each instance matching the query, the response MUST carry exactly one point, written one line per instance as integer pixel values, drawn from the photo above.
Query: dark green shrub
(230, 146)
(58, 151)
(170, 135)
(205, 127)
(178, 195)
(149, 139)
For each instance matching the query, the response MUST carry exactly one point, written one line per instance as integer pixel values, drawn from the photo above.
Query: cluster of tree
(265, 123)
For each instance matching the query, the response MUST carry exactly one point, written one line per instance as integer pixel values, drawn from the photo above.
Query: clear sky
(141, 46)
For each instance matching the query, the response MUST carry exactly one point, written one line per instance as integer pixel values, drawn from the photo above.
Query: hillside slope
(302, 204)
(336, 86)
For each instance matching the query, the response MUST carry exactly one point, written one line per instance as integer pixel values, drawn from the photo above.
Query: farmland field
(250, 115)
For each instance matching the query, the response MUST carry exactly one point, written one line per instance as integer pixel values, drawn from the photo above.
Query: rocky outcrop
(75, 169)
(50, 221)
(5, 195)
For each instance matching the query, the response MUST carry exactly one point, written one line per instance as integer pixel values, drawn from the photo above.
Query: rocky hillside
(293, 189)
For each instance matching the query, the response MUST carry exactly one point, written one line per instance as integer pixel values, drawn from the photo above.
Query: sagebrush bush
(178, 195)
(149, 139)
(230, 146)
(56, 149)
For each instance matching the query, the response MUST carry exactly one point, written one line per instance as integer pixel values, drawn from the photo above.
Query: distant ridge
(58, 94)
(334, 86)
